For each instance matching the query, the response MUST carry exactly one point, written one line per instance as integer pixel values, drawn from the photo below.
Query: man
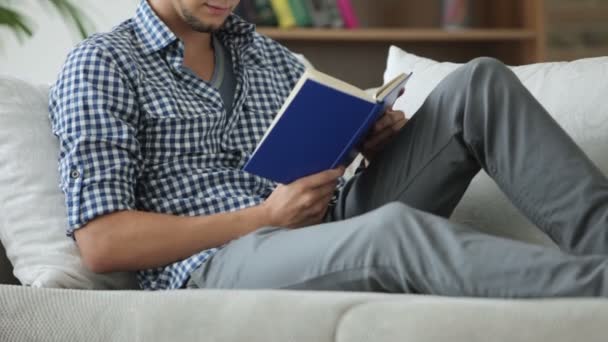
(157, 117)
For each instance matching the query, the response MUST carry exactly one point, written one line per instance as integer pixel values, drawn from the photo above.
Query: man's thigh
(399, 249)
(329, 256)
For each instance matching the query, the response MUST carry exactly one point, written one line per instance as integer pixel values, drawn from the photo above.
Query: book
(319, 126)
(265, 15)
(324, 13)
(300, 13)
(457, 14)
(284, 13)
(347, 11)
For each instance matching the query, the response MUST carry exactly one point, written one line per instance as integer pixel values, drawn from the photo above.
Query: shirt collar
(236, 30)
(155, 35)
(151, 30)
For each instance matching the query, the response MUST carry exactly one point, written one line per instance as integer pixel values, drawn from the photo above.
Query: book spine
(371, 118)
(284, 13)
(456, 14)
(349, 16)
(319, 17)
(324, 13)
(265, 15)
(300, 12)
(335, 18)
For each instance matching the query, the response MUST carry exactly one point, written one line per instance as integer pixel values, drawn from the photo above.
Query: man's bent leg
(482, 116)
(399, 249)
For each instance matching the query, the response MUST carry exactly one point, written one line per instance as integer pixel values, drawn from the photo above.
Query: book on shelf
(264, 13)
(284, 13)
(349, 16)
(457, 14)
(319, 126)
(324, 13)
(300, 12)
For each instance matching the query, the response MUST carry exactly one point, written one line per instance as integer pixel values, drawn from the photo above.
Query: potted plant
(12, 18)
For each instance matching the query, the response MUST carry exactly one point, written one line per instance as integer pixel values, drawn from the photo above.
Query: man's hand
(303, 202)
(385, 129)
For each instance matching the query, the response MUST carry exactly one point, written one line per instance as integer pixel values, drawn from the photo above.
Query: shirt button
(75, 174)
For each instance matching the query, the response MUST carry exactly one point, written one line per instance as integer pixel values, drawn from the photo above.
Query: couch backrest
(574, 93)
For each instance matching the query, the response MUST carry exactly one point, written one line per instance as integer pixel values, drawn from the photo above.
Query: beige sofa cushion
(432, 319)
(263, 316)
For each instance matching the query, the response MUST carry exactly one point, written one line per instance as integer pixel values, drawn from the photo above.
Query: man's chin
(204, 24)
(205, 27)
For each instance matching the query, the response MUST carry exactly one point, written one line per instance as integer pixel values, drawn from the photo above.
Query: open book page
(393, 86)
(337, 84)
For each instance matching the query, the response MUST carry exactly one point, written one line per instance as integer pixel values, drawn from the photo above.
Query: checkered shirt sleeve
(94, 112)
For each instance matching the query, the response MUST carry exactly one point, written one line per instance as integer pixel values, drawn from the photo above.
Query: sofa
(47, 295)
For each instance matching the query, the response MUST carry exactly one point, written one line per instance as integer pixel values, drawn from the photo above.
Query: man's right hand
(303, 202)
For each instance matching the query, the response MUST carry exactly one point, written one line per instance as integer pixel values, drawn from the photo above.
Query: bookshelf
(510, 30)
(398, 35)
(576, 29)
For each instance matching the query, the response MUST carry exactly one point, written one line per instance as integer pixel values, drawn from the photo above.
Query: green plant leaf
(68, 10)
(15, 22)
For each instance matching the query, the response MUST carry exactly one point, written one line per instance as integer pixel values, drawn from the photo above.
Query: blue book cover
(318, 127)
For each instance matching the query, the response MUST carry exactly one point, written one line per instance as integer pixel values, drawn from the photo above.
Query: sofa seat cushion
(216, 315)
(431, 319)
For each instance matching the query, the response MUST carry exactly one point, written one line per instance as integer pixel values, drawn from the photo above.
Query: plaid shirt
(139, 132)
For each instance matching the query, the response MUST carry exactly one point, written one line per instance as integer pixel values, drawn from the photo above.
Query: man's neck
(199, 55)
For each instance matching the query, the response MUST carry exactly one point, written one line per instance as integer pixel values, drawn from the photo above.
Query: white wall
(40, 57)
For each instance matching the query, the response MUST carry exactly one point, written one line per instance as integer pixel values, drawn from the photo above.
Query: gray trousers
(389, 230)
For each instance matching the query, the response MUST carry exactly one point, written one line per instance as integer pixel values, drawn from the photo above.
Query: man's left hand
(385, 129)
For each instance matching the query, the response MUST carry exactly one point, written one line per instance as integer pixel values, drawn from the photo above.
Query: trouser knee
(387, 226)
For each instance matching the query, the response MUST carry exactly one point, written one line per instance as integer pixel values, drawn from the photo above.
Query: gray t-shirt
(223, 76)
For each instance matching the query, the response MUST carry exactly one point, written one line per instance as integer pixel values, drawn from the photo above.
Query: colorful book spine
(265, 15)
(324, 13)
(319, 17)
(335, 19)
(284, 13)
(300, 12)
(457, 13)
(349, 16)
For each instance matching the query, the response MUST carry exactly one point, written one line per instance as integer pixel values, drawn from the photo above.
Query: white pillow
(573, 92)
(575, 95)
(32, 211)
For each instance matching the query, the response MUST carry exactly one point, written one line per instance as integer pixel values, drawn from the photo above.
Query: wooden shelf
(510, 30)
(558, 14)
(398, 35)
(570, 54)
